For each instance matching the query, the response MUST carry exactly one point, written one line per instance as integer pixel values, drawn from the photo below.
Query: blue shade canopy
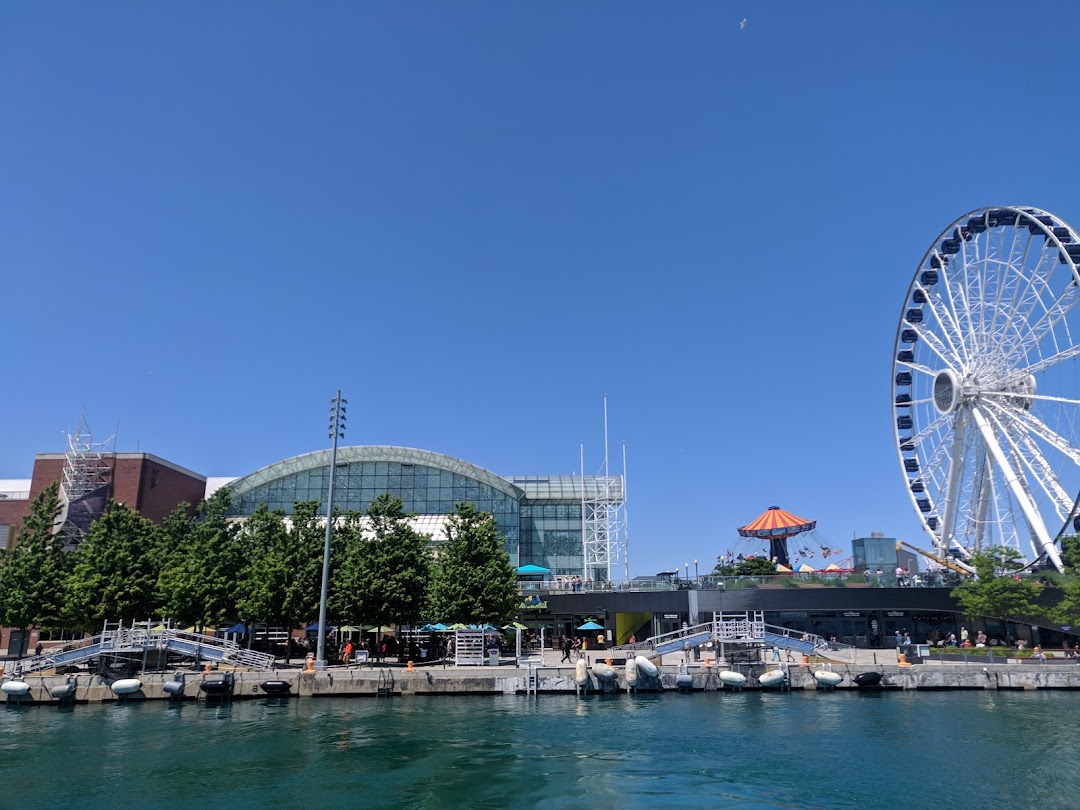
(314, 626)
(237, 628)
(591, 626)
(533, 569)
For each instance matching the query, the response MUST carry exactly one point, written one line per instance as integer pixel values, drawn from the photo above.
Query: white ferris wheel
(986, 384)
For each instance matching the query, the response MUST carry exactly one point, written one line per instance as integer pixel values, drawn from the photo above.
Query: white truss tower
(86, 464)
(604, 527)
(86, 468)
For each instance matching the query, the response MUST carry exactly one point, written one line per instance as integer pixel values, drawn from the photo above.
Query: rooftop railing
(822, 579)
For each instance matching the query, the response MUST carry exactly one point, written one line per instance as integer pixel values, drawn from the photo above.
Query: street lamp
(695, 570)
(336, 431)
(687, 567)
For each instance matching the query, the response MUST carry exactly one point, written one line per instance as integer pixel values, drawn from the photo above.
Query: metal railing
(145, 637)
(822, 579)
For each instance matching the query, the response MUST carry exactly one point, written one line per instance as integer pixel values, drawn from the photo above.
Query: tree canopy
(387, 575)
(995, 591)
(32, 572)
(755, 567)
(116, 570)
(200, 580)
(473, 580)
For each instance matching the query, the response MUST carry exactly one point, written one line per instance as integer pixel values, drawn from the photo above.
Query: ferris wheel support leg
(948, 528)
(1013, 482)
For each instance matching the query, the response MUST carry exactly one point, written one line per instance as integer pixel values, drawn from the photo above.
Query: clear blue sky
(477, 219)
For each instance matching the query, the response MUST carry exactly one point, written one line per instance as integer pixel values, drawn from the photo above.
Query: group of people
(569, 583)
(904, 578)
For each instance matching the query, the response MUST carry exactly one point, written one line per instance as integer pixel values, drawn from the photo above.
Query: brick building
(150, 485)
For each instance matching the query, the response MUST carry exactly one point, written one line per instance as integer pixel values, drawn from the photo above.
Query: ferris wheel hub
(946, 391)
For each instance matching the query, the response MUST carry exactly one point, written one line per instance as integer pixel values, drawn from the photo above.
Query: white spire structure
(603, 520)
(87, 472)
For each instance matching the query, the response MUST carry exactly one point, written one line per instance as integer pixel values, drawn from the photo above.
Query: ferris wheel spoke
(952, 336)
(952, 488)
(1062, 356)
(1013, 482)
(1001, 265)
(1026, 289)
(1044, 432)
(1014, 395)
(919, 367)
(1027, 452)
(924, 435)
(1049, 318)
(935, 345)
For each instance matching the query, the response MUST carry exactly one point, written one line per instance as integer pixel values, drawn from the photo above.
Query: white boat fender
(826, 678)
(174, 688)
(15, 688)
(684, 679)
(604, 672)
(581, 673)
(729, 677)
(774, 677)
(646, 667)
(126, 686)
(631, 672)
(66, 690)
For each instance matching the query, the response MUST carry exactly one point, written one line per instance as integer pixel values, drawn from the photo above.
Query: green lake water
(912, 750)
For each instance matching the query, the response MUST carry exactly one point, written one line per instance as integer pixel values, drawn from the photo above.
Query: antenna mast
(603, 520)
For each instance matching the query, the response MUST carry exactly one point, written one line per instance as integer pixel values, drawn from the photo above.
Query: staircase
(142, 637)
(729, 628)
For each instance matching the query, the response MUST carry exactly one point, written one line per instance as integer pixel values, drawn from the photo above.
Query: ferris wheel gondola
(986, 384)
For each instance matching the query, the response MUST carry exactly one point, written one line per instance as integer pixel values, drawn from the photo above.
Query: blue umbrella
(533, 569)
(591, 626)
(314, 627)
(236, 628)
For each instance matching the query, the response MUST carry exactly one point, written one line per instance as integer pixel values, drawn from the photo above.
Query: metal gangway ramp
(143, 637)
(748, 627)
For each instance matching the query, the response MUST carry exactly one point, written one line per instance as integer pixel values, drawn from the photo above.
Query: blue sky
(477, 219)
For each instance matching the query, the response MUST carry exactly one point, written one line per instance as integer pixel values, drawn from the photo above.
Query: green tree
(116, 570)
(200, 580)
(388, 575)
(1070, 553)
(473, 581)
(724, 566)
(32, 572)
(755, 567)
(347, 545)
(1067, 611)
(283, 574)
(995, 591)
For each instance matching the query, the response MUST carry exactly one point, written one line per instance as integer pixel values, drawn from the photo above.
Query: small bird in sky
(742, 23)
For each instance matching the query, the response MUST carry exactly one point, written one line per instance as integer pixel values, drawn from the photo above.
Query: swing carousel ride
(778, 527)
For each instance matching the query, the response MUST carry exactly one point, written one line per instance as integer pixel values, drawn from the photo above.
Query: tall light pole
(687, 567)
(695, 570)
(336, 431)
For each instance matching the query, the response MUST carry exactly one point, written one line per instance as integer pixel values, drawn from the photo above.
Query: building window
(5, 535)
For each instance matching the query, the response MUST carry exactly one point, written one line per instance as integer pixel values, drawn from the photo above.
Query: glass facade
(551, 536)
(540, 518)
(881, 552)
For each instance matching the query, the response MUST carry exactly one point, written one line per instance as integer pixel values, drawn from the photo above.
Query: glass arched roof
(368, 453)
